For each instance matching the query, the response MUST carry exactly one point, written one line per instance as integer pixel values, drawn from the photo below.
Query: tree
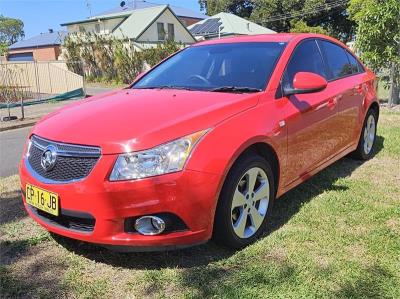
(241, 8)
(11, 31)
(302, 27)
(279, 14)
(378, 38)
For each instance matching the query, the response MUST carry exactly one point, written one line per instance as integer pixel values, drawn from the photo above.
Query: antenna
(89, 7)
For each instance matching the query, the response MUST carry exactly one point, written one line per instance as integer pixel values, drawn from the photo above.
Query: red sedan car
(200, 146)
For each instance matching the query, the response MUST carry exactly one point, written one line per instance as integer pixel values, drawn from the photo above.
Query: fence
(23, 83)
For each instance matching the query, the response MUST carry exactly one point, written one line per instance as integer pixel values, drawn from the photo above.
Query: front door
(311, 118)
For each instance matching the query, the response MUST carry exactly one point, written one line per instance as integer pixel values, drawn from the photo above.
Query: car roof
(278, 37)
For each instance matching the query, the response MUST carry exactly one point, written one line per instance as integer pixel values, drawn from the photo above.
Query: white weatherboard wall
(181, 34)
(106, 26)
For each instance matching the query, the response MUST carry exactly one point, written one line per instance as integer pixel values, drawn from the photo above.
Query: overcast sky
(40, 15)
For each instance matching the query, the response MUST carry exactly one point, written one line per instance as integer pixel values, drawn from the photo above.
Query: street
(11, 146)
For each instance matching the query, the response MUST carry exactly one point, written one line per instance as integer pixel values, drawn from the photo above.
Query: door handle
(331, 103)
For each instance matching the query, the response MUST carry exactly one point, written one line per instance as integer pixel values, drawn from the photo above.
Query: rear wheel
(366, 144)
(245, 201)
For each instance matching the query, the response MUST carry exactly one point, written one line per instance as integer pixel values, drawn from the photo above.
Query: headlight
(166, 158)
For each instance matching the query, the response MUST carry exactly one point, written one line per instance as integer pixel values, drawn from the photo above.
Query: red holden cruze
(200, 146)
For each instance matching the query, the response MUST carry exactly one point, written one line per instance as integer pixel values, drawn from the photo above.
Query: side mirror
(306, 82)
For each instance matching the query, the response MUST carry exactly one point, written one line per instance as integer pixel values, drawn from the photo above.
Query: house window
(161, 31)
(81, 29)
(171, 32)
(97, 28)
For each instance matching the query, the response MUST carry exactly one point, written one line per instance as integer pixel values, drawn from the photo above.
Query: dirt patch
(394, 225)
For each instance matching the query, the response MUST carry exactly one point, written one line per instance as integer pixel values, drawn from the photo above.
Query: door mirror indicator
(306, 82)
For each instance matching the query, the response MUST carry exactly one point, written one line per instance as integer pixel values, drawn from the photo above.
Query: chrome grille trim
(66, 149)
(77, 161)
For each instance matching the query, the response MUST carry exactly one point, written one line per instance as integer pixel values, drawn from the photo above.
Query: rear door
(311, 118)
(345, 74)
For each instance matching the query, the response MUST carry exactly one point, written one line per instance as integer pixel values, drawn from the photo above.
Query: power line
(320, 8)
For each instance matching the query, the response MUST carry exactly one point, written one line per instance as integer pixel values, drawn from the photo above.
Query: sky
(40, 15)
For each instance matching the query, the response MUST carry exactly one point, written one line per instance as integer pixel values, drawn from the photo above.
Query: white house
(145, 27)
(225, 25)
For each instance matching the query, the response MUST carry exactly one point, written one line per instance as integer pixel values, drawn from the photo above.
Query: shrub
(102, 57)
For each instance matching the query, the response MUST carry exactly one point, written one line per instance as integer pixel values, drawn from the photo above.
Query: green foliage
(11, 31)
(315, 13)
(378, 38)
(302, 27)
(105, 58)
(154, 55)
(3, 48)
(378, 34)
(241, 8)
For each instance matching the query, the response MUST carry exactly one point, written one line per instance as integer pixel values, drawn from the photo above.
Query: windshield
(243, 67)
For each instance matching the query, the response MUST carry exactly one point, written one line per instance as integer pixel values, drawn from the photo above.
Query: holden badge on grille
(49, 158)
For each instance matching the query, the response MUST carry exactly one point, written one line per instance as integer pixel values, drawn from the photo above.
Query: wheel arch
(263, 149)
(374, 106)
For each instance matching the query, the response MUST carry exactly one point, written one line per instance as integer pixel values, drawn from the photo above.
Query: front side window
(336, 59)
(171, 32)
(161, 31)
(211, 67)
(306, 58)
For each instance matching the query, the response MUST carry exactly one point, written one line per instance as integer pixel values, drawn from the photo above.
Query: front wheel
(245, 202)
(366, 144)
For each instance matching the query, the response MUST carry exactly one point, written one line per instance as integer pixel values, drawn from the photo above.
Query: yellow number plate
(43, 200)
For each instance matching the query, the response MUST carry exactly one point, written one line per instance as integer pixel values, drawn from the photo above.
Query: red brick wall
(40, 54)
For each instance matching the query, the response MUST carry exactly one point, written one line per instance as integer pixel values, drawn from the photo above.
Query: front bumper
(190, 195)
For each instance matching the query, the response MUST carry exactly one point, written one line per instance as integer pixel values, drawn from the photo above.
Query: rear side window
(356, 67)
(306, 58)
(336, 59)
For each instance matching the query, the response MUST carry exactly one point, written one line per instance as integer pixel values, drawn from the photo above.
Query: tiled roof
(44, 39)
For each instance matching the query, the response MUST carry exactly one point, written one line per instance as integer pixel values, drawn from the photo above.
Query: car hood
(137, 119)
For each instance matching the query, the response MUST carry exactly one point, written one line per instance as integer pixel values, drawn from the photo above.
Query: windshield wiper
(164, 87)
(235, 89)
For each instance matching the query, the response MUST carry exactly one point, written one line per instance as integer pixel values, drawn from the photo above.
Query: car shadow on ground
(285, 208)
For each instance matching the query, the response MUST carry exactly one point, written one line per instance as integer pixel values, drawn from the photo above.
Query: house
(42, 47)
(145, 27)
(186, 16)
(224, 25)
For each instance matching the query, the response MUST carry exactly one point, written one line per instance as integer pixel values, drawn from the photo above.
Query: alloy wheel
(369, 134)
(250, 202)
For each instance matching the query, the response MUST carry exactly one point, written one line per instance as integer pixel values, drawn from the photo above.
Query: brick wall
(40, 54)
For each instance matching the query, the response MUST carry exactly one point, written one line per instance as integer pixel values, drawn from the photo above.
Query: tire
(366, 145)
(236, 205)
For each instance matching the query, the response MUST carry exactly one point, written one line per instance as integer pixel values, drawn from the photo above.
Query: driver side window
(306, 58)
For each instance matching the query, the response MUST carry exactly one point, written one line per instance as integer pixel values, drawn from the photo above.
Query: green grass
(335, 236)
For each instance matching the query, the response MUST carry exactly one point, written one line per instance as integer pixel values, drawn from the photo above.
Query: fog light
(150, 225)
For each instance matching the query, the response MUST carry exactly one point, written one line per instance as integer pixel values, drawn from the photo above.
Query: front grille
(67, 219)
(74, 162)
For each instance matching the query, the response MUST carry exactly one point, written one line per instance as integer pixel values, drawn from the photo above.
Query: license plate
(42, 199)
